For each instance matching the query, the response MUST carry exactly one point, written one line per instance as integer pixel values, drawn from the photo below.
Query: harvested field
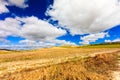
(59, 63)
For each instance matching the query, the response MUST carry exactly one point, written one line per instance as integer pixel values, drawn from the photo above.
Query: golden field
(61, 63)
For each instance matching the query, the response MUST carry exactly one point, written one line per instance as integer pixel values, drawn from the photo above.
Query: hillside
(61, 63)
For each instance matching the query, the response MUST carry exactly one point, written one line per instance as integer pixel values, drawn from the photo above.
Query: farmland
(96, 62)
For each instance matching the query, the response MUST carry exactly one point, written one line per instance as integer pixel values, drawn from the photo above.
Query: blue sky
(44, 23)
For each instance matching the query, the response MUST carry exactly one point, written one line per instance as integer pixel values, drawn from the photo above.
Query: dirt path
(116, 74)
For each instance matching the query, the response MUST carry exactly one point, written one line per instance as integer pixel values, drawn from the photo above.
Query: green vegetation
(102, 45)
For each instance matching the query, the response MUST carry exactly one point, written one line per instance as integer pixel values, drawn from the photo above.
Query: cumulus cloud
(30, 44)
(27, 42)
(115, 40)
(85, 16)
(32, 29)
(8, 27)
(36, 29)
(35, 44)
(18, 3)
(93, 37)
(63, 42)
(37, 33)
(3, 8)
(19, 47)
(4, 41)
(45, 43)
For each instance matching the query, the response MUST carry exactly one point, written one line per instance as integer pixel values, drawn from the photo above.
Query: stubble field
(97, 62)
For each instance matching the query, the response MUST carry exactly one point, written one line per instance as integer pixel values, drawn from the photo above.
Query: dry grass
(95, 68)
(46, 53)
(59, 63)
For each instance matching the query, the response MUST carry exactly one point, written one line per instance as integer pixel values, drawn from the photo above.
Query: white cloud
(63, 42)
(18, 3)
(86, 16)
(108, 41)
(28, 42)
(37, 33)
(50, 43)
(36, 43)
(33, 29)
(115, 40)
(36, 29)
(93, 37)
(9, 27)
(4, 41)
(19, 47)
(3, 8)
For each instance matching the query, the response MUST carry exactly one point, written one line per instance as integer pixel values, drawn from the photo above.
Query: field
(95, 62)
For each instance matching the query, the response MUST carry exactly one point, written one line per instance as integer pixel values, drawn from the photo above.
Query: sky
(28, 24)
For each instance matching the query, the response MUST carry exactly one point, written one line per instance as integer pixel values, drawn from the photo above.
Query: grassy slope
(56, 52)
(104, 45)
(90, 68)
(95, 68)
